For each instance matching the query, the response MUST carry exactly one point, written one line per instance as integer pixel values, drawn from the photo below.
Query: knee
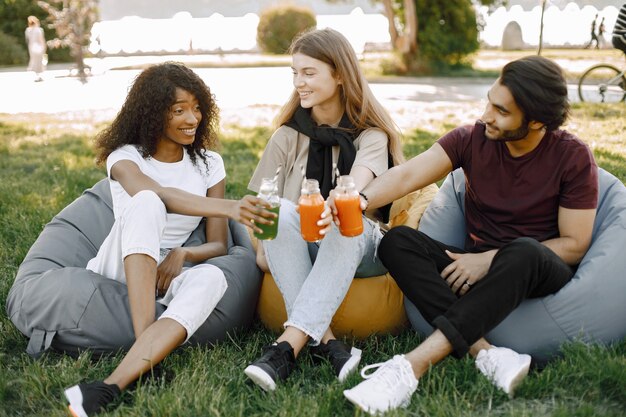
(396, 238)
(525, 249)
(208, 279)
(147, 203)
(335, 239)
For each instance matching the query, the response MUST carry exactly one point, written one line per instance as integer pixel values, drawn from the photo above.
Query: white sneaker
(391, 386)
(504, 367)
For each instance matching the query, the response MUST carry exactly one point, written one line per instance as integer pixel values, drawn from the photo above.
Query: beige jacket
(289, 148)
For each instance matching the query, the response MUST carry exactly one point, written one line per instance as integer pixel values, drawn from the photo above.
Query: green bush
(447, 31)
(60, 54)
(279, 25)
(11, 51)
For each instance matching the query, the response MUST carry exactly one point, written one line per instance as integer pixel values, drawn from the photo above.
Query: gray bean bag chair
(590, 308)
(57, 303)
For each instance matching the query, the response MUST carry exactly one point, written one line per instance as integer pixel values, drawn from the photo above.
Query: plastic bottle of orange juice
(348, 203)
(311, 205)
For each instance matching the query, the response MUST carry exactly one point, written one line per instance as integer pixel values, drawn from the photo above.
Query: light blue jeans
(315, 277)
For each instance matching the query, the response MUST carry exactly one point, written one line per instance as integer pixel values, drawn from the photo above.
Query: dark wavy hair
(145, 113)
(539, 89)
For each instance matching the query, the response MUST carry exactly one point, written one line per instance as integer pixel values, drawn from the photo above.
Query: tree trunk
(403, 40)
(80, 63)
(410, 30)
(391, 20)
(543, 8)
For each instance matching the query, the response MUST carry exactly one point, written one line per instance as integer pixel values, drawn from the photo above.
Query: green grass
(45, 163)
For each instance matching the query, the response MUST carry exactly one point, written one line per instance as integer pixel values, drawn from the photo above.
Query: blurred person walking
(36, 42)
(601, 31)
(594, 35)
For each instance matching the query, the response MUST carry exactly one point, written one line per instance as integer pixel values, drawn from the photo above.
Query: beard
(511, 135)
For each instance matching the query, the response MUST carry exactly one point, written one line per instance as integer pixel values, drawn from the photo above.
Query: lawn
(47, 161)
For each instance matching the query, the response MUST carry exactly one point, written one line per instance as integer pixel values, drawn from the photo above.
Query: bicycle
(602, 83)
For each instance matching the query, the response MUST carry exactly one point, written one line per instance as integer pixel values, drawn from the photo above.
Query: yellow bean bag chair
(372, 305)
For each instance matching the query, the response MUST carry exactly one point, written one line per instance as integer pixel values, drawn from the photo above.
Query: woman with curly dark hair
(164, 179)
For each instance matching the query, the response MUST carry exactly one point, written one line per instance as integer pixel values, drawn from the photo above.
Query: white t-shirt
(183, 175)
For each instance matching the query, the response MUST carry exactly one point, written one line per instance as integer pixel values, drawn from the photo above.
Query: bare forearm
(388, 187)
(182, 202)
(209, 250)
(567, 249)
(415, 174)
(575, 229)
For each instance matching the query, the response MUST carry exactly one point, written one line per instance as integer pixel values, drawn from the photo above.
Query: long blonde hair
(33, 20)
(362, 108)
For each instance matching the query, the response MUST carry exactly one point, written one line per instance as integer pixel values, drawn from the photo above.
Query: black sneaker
(275, 364)
(343, 358)
(90, 398)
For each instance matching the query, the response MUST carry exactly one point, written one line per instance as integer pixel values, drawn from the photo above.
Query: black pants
(521, 269)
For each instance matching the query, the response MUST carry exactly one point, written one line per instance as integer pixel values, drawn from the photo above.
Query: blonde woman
(36, 47)
(331, 118)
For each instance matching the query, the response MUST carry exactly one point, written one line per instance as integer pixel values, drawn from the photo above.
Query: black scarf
(319, 164)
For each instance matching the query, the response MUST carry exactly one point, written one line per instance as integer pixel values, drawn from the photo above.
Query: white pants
(192, 295)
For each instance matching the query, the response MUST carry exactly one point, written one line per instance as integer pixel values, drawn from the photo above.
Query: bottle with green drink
(269, 193)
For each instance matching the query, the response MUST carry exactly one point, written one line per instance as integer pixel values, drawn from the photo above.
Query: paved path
(246, 96)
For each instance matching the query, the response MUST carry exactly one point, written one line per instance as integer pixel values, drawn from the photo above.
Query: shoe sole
(520, 375)
(351, 365)
(348, 394)
(75, 397)
(353, 400)
(260, 377)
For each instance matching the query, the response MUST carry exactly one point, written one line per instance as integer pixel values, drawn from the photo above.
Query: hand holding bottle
(312, 207)
(268, 193)
(347, 203)
(252, 211)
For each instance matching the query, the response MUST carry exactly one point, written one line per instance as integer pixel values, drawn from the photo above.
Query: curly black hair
(144, 115)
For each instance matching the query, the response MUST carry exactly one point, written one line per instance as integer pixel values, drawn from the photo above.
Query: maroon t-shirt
(509, 197)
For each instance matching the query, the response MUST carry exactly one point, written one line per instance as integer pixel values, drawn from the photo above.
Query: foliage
(431, 35)
(13, 15)
(12, 52)
(279, 25)
(448, 31)
(72, 20)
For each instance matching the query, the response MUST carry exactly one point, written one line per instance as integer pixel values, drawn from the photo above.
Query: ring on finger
(468, 284)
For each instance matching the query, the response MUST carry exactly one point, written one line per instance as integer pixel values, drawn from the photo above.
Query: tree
(426, 32)
(72, 20)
